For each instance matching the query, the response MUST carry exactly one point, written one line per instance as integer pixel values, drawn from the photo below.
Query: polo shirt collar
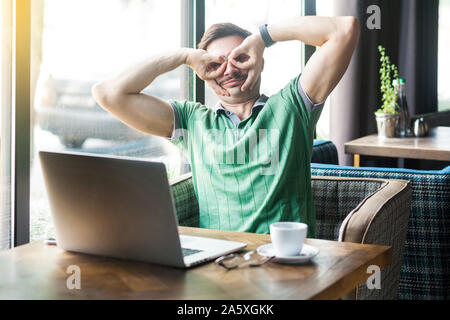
(260, 102)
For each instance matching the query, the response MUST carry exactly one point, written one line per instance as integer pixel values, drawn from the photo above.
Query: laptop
(123, 208)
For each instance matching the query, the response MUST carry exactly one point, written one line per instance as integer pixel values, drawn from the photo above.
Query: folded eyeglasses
(234, 261)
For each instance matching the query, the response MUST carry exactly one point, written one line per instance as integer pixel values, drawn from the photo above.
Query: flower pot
(386, 124)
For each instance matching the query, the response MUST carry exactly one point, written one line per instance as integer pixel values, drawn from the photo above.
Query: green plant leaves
(389, 94)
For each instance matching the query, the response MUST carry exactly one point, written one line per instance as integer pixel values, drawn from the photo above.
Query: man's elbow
(97, 92)
(101, 95)
(350, 28)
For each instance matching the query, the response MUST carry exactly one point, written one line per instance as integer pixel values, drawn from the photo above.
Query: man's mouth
(233, 82)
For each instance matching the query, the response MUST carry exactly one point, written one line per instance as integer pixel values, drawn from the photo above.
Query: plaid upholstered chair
(372, 211)
(425, 273)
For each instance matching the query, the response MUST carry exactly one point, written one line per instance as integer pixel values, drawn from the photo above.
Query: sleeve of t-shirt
(176, 123)
(296, 97)
(182, 122)
(306, 100)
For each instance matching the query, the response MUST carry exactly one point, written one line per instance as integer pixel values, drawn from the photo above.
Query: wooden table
(38, 271)
(436, 146)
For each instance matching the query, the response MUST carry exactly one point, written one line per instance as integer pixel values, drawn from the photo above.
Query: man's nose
(231, 69)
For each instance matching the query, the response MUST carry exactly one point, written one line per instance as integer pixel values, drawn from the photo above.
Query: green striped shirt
(248, 174)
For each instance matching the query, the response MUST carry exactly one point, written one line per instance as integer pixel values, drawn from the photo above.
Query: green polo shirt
(251, 173)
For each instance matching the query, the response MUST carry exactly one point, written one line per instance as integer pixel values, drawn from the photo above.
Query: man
(250, 154)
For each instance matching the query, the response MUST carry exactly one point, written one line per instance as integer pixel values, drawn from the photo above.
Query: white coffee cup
(288, 237)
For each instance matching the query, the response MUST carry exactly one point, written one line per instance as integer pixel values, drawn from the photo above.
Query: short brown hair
(221, 30)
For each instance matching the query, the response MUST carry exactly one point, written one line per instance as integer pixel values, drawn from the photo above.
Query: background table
(38, 271)
(436, 146)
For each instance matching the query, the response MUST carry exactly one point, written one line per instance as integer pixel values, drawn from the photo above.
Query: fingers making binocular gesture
(249, 56)
(244, 62)
(208, 67)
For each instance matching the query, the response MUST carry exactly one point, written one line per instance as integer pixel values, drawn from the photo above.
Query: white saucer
(308, 252)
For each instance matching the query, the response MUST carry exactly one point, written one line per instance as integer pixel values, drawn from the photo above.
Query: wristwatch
(266, 36)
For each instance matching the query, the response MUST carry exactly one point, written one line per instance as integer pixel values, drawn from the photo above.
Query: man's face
(233, 77)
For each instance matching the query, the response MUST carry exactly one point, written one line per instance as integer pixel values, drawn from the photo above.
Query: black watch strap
(265, 35)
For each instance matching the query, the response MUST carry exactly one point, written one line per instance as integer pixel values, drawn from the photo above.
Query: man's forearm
(312, 30)
(122, 97)
(139, 76)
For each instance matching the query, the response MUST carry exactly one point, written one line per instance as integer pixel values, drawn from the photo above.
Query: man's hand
(208, 67)
(249, 55)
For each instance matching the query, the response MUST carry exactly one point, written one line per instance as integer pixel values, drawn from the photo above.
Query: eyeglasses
(234, 261)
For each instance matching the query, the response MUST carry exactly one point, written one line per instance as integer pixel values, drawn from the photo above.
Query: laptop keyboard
(188, 252)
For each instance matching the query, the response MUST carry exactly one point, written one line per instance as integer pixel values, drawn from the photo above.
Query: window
(443, 61)
(250, 14)
(5, 123)
(74, 45)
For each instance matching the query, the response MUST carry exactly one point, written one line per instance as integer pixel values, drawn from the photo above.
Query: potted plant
(387, 116)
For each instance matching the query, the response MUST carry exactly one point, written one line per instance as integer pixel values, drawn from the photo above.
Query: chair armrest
(185, 201)
(379, 210)
(382, 218)
(379, 215)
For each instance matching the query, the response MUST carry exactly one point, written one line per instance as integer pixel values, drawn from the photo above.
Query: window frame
(309, 9)
(192, 28)
(21, 146)
(6, 125)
